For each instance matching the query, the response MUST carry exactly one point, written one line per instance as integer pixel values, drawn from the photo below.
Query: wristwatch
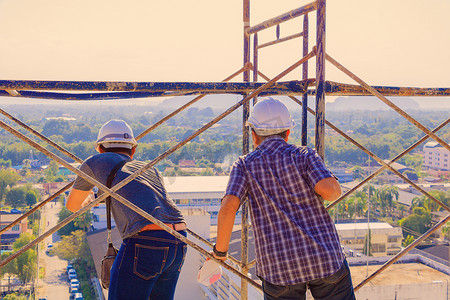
(219, 253)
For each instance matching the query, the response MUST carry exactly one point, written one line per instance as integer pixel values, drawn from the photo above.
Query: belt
(176, 226)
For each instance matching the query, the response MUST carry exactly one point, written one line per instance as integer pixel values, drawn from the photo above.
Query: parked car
(74, 284)
(77, 296)
(72, 274)
(49, 248)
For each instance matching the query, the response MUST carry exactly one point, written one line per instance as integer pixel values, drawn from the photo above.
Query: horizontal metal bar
(287, 38)
(283, 18)
(387, 102)
(197, 87)
(335, 88)
(404, 251)
(83, 96)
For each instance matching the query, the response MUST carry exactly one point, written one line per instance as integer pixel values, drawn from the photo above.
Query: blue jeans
(147, 266)
(334, 287)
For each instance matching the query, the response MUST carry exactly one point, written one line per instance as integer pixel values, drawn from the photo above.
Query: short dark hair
(117, 149)
(282, 134)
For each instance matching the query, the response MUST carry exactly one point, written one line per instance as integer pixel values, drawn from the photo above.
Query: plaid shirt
(295, 238)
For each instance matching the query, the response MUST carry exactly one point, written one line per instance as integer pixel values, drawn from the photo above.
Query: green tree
(14, 296)
(10, 268)
(386, 195)
(73, 246)
(419, 221)
(31, 198)
(7, 178)
(26, 262)
(80, 223)
(408, 240)
(15, 197)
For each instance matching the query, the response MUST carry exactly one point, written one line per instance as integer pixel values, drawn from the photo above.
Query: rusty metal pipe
(278, 41)
(283, 18)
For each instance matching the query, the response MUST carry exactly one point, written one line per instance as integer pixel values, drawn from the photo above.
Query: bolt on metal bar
(283, 18)
(278, 41)
(183, 107)
(107, 192)
(382, 168)
(389, 103)
(404, 251)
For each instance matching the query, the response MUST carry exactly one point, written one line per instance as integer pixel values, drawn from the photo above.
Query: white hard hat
(270, 116)
(116, 134)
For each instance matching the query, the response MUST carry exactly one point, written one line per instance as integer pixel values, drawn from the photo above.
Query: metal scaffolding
(249, 89)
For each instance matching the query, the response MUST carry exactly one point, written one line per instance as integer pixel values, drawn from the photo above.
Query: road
(54, 285)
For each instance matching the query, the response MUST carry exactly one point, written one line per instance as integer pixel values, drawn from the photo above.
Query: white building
(384, 240)
(436, 157)
(199, 192)
(188, 192)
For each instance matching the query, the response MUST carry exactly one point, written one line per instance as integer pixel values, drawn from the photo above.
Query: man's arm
(328, 188)
(225, 222)
(76, 199)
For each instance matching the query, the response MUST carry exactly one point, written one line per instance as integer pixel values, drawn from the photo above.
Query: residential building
(11, 235)
(384, 238)
(436, 157)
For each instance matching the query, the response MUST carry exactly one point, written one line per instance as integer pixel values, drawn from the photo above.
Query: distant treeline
(385, 133)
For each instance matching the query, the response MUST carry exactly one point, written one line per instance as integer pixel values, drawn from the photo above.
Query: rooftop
(195, 184)
(407, 273)
(351, 226)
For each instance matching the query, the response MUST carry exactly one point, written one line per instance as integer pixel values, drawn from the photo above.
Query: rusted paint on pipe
(245, 145)
(335, 88)
(404, 251)
(283, 18)
(320, 79)
(389, 103)
(278, 41)
(159, 88)
(305, 76)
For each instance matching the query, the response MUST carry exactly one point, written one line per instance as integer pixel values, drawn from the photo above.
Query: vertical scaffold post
(320, 79)
(305, 76)
(245, 150)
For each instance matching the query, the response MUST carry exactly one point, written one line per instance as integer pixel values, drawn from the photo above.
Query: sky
(384, 42)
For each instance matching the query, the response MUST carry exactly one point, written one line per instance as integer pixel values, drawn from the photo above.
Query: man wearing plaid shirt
(297, 246)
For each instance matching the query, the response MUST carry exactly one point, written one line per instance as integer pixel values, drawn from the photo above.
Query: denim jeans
(337, 286)
(147, 266)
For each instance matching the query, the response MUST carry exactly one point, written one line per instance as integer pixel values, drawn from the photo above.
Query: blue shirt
(147, 191)
(295, 238)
